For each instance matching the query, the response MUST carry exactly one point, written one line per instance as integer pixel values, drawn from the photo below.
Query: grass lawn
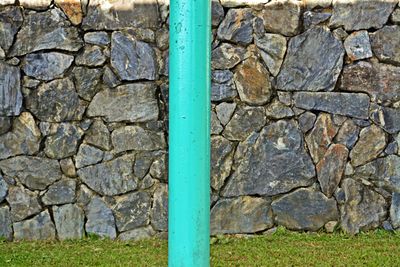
(280, 249)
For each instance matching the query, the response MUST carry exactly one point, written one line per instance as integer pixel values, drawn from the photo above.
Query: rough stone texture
(34, 172)
(276, 110)
(6, 230)
(306, 121)
(5, 125)
(97, 38)
(282, 16)
(64, 142)
(92, 56)
(61, 192)
(221, 160)
(311, 65)
(222, 86)
(159, 210)
(395, 210)
(87, 81)
(346, 104)
(227, 56)
(217, 12)
(240, 3)
(387, 118)
(130, 102)
(88, 155)
(241, 215)
(68, 167)
(10, 21)
(72, 9)
(69, 221)
(100, 219)
(330, 168)
(358, 15)
(281, 145)
(305, 209)
(272, 50)
(357, 45)
(3, 189)
(23, 203)
(39, 227)
(35, 4)
(225, 111)
(348, 134)
(395, 17)
(11, 97)
(311, 19)
(363, 209)
(252, 82)
(371, 143)
(98, 135)
(237, 26)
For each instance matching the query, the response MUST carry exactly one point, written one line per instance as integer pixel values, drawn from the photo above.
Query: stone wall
(305, 117)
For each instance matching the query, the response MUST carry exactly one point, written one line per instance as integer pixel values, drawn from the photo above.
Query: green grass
(280, 249)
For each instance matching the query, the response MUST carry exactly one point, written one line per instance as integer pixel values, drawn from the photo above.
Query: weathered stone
(387, 118)
(132, 59)
(46, 30)
(306, 121)
(395, 17)
(35, 4)
(216, 127)
(72, 9)
(346, 104)
(244, 121)
(24, 137)
(3, 189)
(357, 45)
(23, 203)
(311, 19)
(272, 50)
(363, 209)
(330, 226)
(100, 219)
(225, 111)
(282, 16)
(385, 44)
(221, 160)
(63, 142)
(110, 178)
(382, 172)
(11, 97)
(371, 143)
(159, 210)
(358, 15)
(97, 38)
(392, 148)
(227, 56)
(92, 56)
(395, 210)
(88, 155)
(6, 230)
(119, 14)
(68, 167)
(321, 136)
(34, 172)
(87, 81)
(136, 138)
(137, 234)
(222, 87)
(279, 144)
(10, 21)
(331, 167)
(5, 125)
(237, 26)
(311, 4)
(131, 102)
(47, 66)
(240, 3)
(311, 65)
(241, 215)
(60, 192)
(39, 227)
(348, 134)
(373, 78)
(69, 220)
(110, 78)
(252, 82)
(276, 110)
(132, 210)
(305, 209)
(158, 168)
(217, 13)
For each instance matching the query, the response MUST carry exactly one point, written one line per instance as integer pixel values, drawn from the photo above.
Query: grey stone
(159, 210)
(391, 148)
(100, 219)
(110, 178)
(330, 168)
(34, 172)
(158, 168)
(285, 98)
(68, 167)
(279, 144)
(30, 82)
(216, 127)
(225, 111)
(63, 142)
(39, 227)
(386, 225)
(306, 121)
(237, 26)
(252, 82)
(371, 143)
(358, 15)
(55, 101)
(83, 196)
(340, 34)
(258, 27)
(346, 104)
(347, 134)
(119, 14)
(373, 78)
(272, 50)
(23, 203)
(217, 12)
(305, 209)
(5, 125)
(241, 215)
(143, 163)
(387, 118)
(330, 226)
(46, 66)
(240, 3)
(46, 30)
(10, 86)
(245, 121)
(97, 38)
(395, 210)
(24, 138)
(223, 92)
(227, 56)
(88, 155)
(98, 135)
(311, 65)
(61, 192)
(6, 230)
(10, 21)
(282, 16)
(132, 59)
(311, 19)
(363, 209)
(357, 45)
(221, 160)
(3, 189)
(147, 182)
(92, 56)
(395, 17)
(276, 110)
(132, 210)
(137, 234)
(69, 220)
(312, 4)
(136, 138)
(131, 102)
(87, 81)
(109, 78)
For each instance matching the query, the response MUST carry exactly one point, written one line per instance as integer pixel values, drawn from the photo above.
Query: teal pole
(189, 133)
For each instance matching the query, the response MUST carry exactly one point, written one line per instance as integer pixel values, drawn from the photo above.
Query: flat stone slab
(10, 88)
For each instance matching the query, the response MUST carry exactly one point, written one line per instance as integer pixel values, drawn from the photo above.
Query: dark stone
(272, 50)
(98, 135)
(69, 220)
(60, 192)
(137, 234)
(217, 12)
(227, 56)
(63, 142)
(23, 203)
(277, 110)
(237, 26)
(100, 219)
(348, 134)
(5, 125)
(88, 155)
(221, 160)
(10, 88)
(39, 227)
(222, 86)
(92, 56)
(357, 45)
(6, 230)
(387, 118)
(159, 210)
(10, 21)
(311, 19)
(68, 167)
(306, 121)
(395, 210)
(3, 189)
(87, 81)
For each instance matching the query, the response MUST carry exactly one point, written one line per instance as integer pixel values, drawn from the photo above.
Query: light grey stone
(357, 45)
(395, 210)
(61, 192)
(3, 189)
(69, 221)
(137, 234)
(6, 230)
(23, 203)
(63, 143)
(97, 38)
(39, 227)
(88, 155)
(221, 160)
(240, 3)
(272, 50)
(225, 111)
(159, 210)
(158, 168)
(100, 219)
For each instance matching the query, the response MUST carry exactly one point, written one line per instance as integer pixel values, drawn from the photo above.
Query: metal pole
(189, 133)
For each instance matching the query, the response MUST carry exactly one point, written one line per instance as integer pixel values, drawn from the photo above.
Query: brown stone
(282, 16)
(71, 8)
